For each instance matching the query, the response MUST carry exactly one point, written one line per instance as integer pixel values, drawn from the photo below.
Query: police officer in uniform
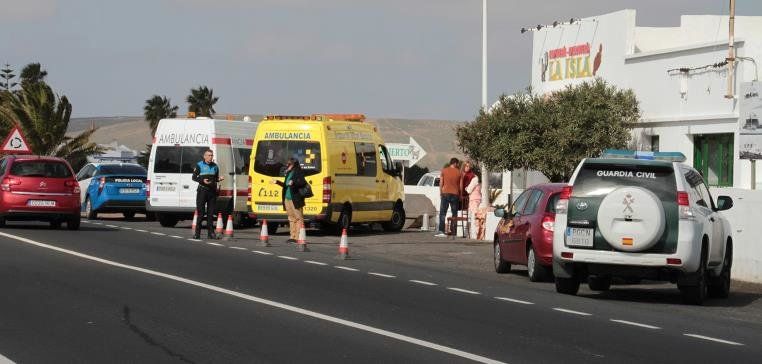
(207, 174)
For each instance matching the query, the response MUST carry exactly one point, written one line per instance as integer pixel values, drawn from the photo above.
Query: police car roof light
(644, 155)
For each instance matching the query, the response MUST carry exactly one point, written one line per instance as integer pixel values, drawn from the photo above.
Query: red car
(36, 188)
(524, 235)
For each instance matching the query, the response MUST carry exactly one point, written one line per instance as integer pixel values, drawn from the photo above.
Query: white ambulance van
(178, 145)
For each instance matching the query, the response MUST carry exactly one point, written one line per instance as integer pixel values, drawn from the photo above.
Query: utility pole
(731, 49)
(484, 171)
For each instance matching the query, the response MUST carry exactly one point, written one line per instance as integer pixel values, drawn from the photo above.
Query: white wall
(745, 218)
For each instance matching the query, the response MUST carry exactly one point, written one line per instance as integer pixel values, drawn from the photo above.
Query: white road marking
(423, 282)
(237, 248)
(160, 234)
(714, 339)
(176, 237)
(98, 223)
(382, 275)
(4, 360)
(112, 226)
(345, 268)
(463, 290)
(287, 257)
(215, 244)
(314, 262)
(125, 228)
(636, 324)
(195, 240)
(141, 230)
(264, 301)
(261, 252)
(572, 311)
(514, 300)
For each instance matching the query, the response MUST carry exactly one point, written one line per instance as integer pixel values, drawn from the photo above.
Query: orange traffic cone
(229, 228)
(264, 236)
(301, 243)
(344, 245)
(195, 221)
(218, 228)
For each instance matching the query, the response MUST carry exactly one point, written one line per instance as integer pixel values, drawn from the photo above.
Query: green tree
(44, 118)
(32, 74)
(201, 101)
(7, 75)
(551, 133)
(157, 108)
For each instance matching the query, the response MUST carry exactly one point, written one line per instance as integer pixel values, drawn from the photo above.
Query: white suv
(641, 215)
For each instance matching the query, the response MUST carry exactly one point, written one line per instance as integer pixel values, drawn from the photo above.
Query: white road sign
(15, 143)
(411, 152)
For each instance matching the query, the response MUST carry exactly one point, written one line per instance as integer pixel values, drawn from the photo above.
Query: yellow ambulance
(345, 162)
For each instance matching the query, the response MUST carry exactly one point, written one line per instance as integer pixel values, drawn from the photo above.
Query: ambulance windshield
(272, 155)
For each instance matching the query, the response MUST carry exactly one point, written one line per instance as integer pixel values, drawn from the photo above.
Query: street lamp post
(484, 171)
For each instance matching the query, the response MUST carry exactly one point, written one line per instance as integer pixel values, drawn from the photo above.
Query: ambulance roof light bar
(319, 117)
(633, 154)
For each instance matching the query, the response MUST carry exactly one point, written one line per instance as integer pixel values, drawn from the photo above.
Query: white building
(115, 152)
(683, 104)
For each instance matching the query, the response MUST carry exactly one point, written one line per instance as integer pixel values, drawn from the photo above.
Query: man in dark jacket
(292, 198)
(207, 174)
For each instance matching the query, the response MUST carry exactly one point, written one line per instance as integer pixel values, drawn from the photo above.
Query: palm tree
(32, 74)
(157, 108)
(44, 119)
(201, 101)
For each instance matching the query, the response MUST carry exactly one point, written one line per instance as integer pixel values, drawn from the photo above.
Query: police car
(641, 215)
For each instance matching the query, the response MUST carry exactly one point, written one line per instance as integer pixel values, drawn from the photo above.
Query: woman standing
(293, 201)
(472, 190)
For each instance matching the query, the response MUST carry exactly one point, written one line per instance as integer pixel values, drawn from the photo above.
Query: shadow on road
(669, 295)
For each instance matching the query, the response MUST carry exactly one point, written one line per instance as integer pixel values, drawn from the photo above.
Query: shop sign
(570, 62)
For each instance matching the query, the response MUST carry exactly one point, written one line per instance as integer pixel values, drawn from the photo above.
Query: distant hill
(437, 137)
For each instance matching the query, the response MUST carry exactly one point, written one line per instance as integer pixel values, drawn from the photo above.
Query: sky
(385, 58)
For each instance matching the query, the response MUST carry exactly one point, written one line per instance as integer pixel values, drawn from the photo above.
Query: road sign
(15, 143)
(411, 152)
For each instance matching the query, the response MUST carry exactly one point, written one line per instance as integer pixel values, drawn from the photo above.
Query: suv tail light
(74, 185)
(684, 205)
(548, 222)
(562, 206)
(148, 188)
(327, 190)
(8, 182)
(101, 184)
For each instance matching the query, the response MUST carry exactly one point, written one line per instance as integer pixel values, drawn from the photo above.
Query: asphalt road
(135, 292)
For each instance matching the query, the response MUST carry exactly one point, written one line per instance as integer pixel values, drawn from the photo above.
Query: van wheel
(397, 221)
(166, 220)
(89, 212)
(720, 286)
(501, 266)
(568, 286)
(535, 271)
(345, 219)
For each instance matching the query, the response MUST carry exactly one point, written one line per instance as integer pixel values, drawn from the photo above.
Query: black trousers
(206, 203)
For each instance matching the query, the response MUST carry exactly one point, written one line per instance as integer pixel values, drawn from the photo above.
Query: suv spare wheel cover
(631, 219)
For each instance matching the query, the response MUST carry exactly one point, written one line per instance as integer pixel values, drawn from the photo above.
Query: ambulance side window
(366, 159)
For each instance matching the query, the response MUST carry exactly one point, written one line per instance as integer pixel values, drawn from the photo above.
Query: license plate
(165, 189)
(41, 203)
(129, 190)
(268, 207)
(579, 237)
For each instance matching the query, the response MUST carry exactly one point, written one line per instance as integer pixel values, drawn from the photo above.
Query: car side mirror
(724, 203)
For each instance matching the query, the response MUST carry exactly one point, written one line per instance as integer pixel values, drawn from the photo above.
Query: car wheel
(345, 219)
(129, 215)
(89, 212)
(599, 283)
(568, 286)
(696, 294)
(166, 220)
(397, 221)
(501, 266)
(73, 222)
(535, 271)
(720, 287)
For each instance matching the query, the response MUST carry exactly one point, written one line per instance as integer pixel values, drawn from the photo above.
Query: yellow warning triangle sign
(15, 143)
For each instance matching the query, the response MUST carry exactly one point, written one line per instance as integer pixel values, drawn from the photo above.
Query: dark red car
(36, 188)
(524, 235)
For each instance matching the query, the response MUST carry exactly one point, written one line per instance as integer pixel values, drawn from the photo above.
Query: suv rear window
(48, 169)
(272, 155)
(122, 169)
(596, 179)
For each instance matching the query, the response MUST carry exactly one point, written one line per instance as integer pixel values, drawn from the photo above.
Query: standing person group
(292, 196)
(207, 174)
(457, 187)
